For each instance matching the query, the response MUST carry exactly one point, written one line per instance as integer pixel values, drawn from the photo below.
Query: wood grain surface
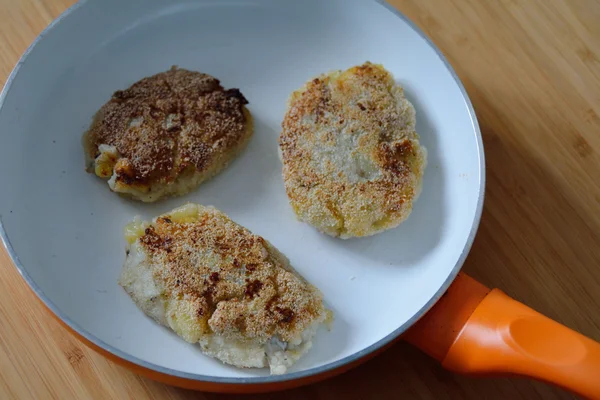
(532, 69)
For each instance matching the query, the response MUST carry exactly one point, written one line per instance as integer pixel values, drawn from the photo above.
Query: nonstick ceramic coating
(63, 228)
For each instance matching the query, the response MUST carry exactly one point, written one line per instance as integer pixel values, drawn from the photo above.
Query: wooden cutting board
(532, 70)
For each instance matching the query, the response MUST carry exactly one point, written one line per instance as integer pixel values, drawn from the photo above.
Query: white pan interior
(65, 227)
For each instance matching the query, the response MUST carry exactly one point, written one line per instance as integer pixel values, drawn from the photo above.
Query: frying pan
(62, 227)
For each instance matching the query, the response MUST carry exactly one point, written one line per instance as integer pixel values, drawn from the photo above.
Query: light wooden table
(532, 69)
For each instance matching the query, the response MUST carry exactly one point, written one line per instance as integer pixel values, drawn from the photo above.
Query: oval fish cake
(215, 283)
(166, 134)
(352, 161)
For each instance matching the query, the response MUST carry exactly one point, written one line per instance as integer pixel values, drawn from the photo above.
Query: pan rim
(273, 378)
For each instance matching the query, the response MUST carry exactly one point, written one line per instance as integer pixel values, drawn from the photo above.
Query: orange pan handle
(478, 331)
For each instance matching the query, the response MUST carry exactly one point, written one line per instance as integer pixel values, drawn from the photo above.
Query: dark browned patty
(167, 133)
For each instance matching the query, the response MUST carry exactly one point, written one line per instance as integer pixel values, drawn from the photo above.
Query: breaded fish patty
(166, 134)
(215, 283)
(352, 162)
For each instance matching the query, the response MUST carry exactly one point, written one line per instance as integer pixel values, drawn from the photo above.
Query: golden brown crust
(352, 162)
(169, 124)
(241, 286)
